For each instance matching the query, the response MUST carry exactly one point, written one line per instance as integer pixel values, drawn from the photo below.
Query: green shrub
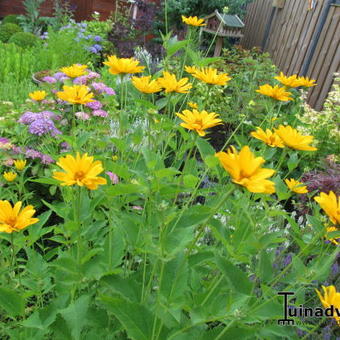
(12, 18)
(23, 39)
(7, 30)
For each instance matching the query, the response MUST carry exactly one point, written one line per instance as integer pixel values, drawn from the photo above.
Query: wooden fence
(301, 40)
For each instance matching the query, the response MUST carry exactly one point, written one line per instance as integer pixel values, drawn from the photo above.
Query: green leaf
(43, 180)
(127, 288)
(167, 172)
(136, 320)
(237, 278)
(123, 189)
(75, 315)
(174, 47)
(190, 181)
(12, 302)
(204, 148)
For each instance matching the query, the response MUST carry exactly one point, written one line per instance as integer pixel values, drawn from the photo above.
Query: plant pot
(37, 76)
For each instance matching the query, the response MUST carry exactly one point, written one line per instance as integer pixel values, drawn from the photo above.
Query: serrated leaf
(136, 320)
(75, 315)
(11, 302)
(237, 278)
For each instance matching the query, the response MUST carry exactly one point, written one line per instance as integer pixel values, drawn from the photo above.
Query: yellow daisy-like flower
(291, 81)
(20, 164)
(74, 71)
(199, 121)
(296, 186)
(293, 139)
(330, 204)
(333, 240)
(38, 95)
(209, 75)
(171, 84)
(330, 298)
(193, 105)
(76, 94)
(306, 82)
(245, 169)
(80, 170)
(276, 92)
(146, 85)
(268, 137)
(193, 21)
(12, 219)
(123, 65)
(10, 176)
(191, 69)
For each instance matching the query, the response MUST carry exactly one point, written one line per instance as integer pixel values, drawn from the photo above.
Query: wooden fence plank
(290, 39)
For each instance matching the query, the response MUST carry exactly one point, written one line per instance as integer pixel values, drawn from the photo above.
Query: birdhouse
(223, 25)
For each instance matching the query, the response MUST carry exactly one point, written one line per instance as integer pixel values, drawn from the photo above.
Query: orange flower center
(11, 221)
(79, 175)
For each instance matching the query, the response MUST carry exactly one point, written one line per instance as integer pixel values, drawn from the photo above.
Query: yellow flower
(296, 186)
(20, 164)
(74, 71)
(276, 92)
(10, 176)
(171, 84)
(12, 219)
(199, 121)
(291, 81)
(269, 137)
(80, 170)
(191, 69)
(293, 139)
(330, 298)
(330, 204)
(76, 94)
(193, 105)
(193, 21)
(245, 169)
(38, 95)
(306, 82)
(114, 158)
(123, 65)
(333, 240)
(210, 76)
(143, 84)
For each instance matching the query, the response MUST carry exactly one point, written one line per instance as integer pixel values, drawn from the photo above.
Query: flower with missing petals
(81, 170)
(293, 139)
(199, 120)
(12, 219)
(245, 169)
(276, 92)
(170, 84)
(270, 138)
(193, 21)
(296, 186)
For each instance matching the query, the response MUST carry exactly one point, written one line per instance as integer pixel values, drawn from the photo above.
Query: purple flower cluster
(102, 88)
(82, 80)
(32, 154)
(40, 123)
(92, 42)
